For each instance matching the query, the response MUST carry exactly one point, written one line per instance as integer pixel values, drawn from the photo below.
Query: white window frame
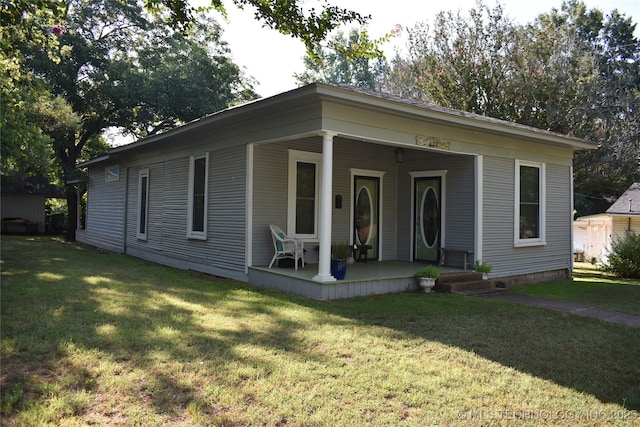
(191, 233)
(542, 206)
(112, 173)
(295, 157)
(144, 173)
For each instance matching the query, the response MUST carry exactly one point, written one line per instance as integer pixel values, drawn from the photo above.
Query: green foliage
(428, 271)
(106, 64)
(24, 100)
(624, 259)
(293, 17)
(12, 398)
(482, 267)
(572, 71)
(336, 65)
(612, 117)
(13, 11)
(340, 250)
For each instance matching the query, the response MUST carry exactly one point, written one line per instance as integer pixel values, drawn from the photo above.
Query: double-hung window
(198, 189)
(530, 189)
(304, 190)
(143, 204)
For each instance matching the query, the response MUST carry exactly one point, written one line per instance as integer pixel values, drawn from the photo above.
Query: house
(332, 164)
(23, 207)
(594, 234)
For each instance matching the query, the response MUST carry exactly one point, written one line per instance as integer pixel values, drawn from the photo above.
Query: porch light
(399, 152)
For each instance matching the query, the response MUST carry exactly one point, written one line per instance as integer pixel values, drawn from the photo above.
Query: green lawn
(97, 338)
(593, 287)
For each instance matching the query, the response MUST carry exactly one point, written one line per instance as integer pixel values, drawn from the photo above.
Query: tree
(110, 69)
(570, 71)
(332, 65)
(461, 62)
(25, 149)
(288, 17)
(609, 171)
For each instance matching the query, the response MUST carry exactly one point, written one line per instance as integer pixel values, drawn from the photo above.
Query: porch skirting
(340, 289)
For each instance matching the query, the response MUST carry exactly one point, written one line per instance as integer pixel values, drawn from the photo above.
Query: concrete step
(462, 276)
(481, 292)
(467, 283)
(464, 285)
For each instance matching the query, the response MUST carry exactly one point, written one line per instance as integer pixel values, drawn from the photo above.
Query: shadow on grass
(140, 317)
(584, 354)
(60, 306)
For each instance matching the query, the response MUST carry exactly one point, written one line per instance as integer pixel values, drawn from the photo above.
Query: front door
(366, 213)
(428, 221)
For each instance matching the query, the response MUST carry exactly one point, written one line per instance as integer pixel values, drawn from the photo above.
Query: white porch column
(324, 223)
(477, 251)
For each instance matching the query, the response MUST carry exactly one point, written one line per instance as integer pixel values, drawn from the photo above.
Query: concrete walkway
(568, 307)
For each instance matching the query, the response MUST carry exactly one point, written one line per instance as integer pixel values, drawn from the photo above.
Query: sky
(272, 58)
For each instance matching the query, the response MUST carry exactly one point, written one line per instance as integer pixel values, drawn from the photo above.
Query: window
(529, 204)
(198, 188)
(304, 188)
(143, 203)
(112, 173)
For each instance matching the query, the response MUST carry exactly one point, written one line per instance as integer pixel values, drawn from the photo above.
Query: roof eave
(460, 118)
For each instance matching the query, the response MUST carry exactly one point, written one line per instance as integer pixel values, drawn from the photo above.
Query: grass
(98, 338)
(593, 287)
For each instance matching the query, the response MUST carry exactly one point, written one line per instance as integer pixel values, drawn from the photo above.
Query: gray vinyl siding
(498, 215)
(105, 214)
(227, 208)
(223, 251)
(271, 191)
(350, 154)
(459, 188)
(155, 207)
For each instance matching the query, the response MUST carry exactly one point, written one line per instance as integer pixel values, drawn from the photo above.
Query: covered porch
(404, 208)
(370, 278)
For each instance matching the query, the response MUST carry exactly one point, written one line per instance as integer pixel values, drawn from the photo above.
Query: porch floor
(370, 278)
(359, 271)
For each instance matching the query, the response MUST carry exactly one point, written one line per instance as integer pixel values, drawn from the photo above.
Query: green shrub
(429, 271)
(624, 260)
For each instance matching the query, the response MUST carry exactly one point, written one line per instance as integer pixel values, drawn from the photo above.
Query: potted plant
(339, 254)
(484, 268)
(427, 276)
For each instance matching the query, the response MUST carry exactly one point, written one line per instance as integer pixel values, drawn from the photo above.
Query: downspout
(249, 210)
(126, 203)
(571, 249)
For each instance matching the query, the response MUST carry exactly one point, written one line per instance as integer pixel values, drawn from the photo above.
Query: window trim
(296, 156)
(542, 206)
(191, 233)
(143, 173)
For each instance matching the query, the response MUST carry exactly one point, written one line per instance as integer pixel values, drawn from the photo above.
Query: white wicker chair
(286, 247)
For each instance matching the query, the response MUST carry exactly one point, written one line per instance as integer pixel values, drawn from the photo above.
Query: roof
(32, 185)
(315, 92)
(628, 204)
